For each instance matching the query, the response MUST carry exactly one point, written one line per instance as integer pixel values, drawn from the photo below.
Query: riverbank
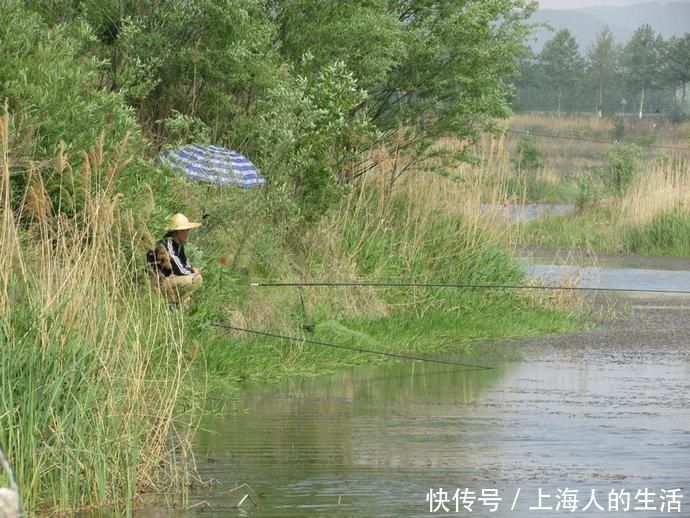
(596, 411)
(93, 378)
(420, 231)
(451, 337)
(116, 380)
(627, 179)
(101, 381)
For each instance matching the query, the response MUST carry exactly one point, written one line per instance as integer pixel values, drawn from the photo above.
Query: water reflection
(374, 441)
(607, 410)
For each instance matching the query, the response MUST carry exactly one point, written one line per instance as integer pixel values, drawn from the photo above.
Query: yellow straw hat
(180, 222)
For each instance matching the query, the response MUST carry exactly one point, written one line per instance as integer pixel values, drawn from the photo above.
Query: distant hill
(666, 18)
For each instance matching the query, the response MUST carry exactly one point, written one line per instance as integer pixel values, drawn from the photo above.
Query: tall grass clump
(427, 229)
(667, 233)
(621, 167)
(655, 213)
(92, 370)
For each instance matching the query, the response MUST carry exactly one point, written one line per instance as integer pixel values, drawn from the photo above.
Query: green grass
(600, 229)
(94, 371)
(411, 235)
(88, 399)
(589, 229)
(458, 332)
(668, 233)
(93, 376)
(611, 173)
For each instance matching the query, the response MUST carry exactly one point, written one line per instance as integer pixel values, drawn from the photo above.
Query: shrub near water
(621, 167)
(91, 367)
(668, 233)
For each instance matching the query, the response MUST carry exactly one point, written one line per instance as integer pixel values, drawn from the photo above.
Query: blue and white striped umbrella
(213, 164)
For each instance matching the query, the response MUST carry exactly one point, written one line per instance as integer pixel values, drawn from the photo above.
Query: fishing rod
(380, 284)
(399, 356)
(329, 284)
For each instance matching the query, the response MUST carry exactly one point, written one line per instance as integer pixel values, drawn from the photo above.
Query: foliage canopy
(305, 88)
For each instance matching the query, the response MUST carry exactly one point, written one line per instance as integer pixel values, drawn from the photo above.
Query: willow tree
(429, 68)
(304, 86)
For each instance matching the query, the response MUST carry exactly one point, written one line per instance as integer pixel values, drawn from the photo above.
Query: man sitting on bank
(177, 277)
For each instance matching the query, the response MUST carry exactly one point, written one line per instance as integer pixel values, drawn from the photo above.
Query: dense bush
(300, 87)
(528, 155)
(621, 167)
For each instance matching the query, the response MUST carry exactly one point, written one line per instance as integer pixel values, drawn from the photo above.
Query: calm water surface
(604, 410)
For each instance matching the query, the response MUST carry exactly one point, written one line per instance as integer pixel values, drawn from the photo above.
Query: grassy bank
(628, 180)
(92, 372)
(422, 231)
(651, 216)
(98, 376)
(458, 335)
(97, 372)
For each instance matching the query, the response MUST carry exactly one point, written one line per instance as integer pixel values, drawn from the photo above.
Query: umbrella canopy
(213, 164)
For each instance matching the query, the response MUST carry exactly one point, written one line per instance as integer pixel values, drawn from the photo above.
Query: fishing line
(355, 349)
(318, 284)
(278, 284)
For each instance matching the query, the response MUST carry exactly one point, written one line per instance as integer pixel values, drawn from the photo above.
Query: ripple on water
(601, 410)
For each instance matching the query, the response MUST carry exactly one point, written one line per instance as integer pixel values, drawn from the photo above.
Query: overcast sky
(574, 4)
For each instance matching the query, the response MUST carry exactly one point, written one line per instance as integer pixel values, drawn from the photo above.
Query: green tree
(641, 60)
(602, 60)
(429, 68)
(677, 65)
(456, 77)
(621, 166)
(51, 75)
(366, 36)
(304, 86)
(561, 64)
(527, 82)
(210, 59)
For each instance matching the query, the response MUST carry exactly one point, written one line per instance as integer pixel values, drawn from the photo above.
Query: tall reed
(419, 226)
(425, 227)
(654, 214)
(662, 185)
(92, 367)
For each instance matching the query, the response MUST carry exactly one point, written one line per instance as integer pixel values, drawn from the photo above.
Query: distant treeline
(647, 74)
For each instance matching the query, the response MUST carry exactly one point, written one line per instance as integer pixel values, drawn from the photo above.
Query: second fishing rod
(474, 286)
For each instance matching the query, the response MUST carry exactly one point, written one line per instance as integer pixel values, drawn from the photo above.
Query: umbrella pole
(204, 214)
(307, 325)
(253, 221)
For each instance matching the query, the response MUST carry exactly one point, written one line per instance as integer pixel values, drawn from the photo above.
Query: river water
(594, 423)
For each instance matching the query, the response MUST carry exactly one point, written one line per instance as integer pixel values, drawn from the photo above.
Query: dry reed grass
(659, 187)
(391, 216)
(68, 296)
(472, 194)
(563, 125)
